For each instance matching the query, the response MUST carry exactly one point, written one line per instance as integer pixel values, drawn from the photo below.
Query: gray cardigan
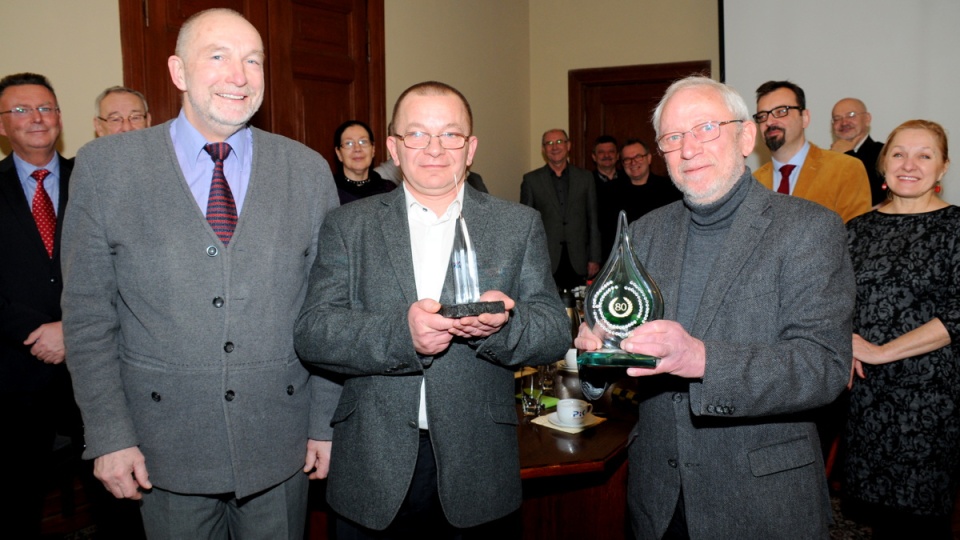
(179, 345)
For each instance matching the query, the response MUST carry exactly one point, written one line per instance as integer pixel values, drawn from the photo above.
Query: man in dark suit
(851, 127)
(566, 197)
(758, 292)
(425, 442)
(186, 253)
(35, 391)
(638, 191)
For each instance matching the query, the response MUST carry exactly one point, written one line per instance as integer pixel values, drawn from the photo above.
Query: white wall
(900, 58)
(75, 44)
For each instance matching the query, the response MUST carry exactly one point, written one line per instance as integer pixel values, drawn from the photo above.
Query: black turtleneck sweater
(709, 225)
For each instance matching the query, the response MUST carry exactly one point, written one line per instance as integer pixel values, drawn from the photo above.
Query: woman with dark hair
(903, 428)
(353, 142)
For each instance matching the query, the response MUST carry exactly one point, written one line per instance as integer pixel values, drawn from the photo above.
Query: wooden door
(325, 62)
(619, 101)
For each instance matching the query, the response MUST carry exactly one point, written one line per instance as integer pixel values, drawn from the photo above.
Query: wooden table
(575, 485)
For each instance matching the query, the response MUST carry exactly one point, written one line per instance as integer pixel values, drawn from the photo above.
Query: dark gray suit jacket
(30, 281)
(776, 321)
(354, 321)
(179, 345)
(576, 221)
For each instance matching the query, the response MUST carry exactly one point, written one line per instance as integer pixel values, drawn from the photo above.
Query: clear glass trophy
(622, 297)
(466, 279)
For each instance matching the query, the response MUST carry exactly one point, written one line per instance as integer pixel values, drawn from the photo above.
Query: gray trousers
(276, 513)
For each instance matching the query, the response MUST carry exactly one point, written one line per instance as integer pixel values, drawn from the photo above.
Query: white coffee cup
(573, 412)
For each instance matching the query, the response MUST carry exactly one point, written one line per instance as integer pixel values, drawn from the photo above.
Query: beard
(774, 138)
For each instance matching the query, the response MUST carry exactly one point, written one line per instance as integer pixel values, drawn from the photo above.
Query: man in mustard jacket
(800, 168)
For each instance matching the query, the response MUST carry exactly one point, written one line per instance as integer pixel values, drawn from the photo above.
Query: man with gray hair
(119, 109)
(187, 249)
(758, 294)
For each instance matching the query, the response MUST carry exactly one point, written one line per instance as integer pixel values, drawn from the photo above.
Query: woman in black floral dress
(903, 430)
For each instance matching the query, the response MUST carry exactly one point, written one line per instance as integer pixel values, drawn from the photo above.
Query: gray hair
(119, 90)
(565, 136)
(731, 98)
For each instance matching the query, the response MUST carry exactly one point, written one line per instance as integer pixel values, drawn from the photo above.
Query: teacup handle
(588, 410)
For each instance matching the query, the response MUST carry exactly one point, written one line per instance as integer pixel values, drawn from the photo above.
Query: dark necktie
(43, 211)
(784, 186)
(221, 208)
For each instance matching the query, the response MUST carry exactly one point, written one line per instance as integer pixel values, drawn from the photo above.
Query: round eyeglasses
(22, 112)
(418, 140)
(350, 145)
(115, 119)
(704, 132)
(779, 112)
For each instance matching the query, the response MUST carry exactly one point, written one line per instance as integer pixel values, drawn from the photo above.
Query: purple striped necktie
(221, 208)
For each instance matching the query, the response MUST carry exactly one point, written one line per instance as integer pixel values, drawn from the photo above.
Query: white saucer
(565, 367)
(591, 420)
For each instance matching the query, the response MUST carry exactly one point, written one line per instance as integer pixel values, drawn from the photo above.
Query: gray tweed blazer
(179, 345)
(776, 320)
(354, 321)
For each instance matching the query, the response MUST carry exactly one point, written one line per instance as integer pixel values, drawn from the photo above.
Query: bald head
(850, 120)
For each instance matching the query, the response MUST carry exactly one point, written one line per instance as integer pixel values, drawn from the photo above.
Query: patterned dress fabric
(903, 428)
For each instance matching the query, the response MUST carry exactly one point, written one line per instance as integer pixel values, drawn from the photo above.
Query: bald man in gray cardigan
(180, 329)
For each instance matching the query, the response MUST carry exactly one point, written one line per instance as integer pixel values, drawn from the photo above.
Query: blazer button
(155, 396)
(710, 408)
(212, 251)
(229, 395)
(290, 390)
(413, 424)
(678, 397)
(672, 463)
(218, 302)
(228, 346)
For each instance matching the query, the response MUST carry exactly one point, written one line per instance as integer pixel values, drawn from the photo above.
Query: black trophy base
(599, 369)
(456, 311)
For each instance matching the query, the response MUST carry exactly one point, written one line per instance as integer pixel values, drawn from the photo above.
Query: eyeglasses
(705, 132)
(852, 114)
(779, 112)
(635, 159)
(116, 119)
(418, 140)
(551, 143)
(21, 112)
(362, 143)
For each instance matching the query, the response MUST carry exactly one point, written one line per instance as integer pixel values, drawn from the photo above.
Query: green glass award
(622, 297)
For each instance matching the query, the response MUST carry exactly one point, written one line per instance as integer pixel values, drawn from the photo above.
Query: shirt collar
(24, 169)
(453, 210)
(192, 142)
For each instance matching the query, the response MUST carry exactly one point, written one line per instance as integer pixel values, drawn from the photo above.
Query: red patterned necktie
(43, 212)
(784, 186)
(221, 208)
